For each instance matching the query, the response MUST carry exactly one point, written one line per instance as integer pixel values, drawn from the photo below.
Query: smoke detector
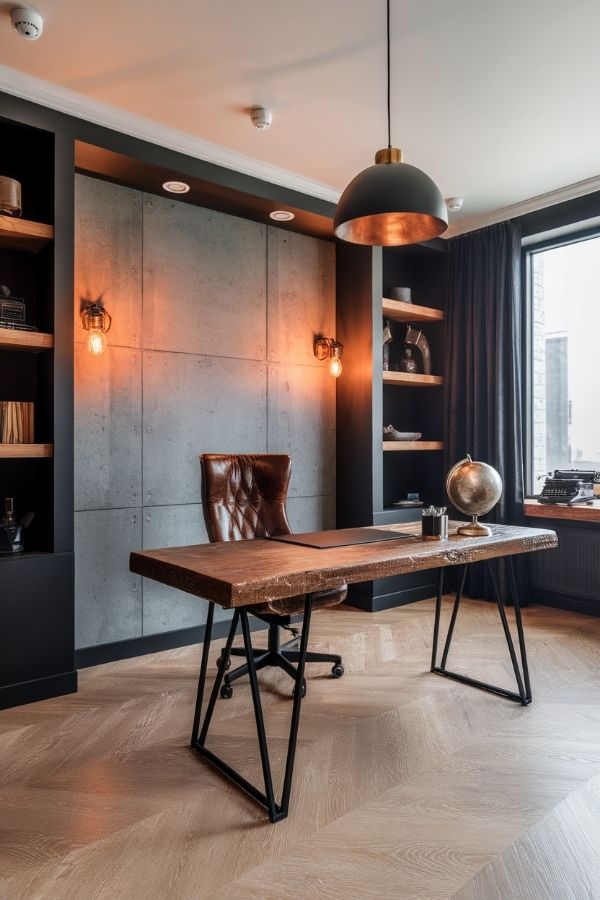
(261, 117)
(27, 21)
(454, 203)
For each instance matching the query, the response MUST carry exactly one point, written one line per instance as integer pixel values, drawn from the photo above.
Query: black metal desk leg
(203, 665)
(438, 611)
(459, 593)
(524, 695)
(267, 799)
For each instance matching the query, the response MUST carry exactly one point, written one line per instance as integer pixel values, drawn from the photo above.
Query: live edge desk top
(240, 573)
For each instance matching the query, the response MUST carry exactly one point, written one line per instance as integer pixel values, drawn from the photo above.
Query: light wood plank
(580, 512)
(26, 451)
(33, 341)
(395, 446)
(410, 379)
(410, 312)
(21, 234)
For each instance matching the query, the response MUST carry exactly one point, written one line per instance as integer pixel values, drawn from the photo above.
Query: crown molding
(64, 100)
(570, 192)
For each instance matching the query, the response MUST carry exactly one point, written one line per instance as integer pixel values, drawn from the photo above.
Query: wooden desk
(240, 573)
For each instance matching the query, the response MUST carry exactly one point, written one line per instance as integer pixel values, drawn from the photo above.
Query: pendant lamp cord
(388, 77)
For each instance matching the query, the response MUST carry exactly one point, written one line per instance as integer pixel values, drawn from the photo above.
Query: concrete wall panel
(193, 405)
(108, 256)
(204, 281)
(166, 609)
(109, 596)
(311, 513)
(302, 423)
(301, 295)
(194, 379)
(108, 428)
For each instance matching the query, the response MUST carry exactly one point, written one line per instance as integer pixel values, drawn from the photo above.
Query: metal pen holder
(434, 523)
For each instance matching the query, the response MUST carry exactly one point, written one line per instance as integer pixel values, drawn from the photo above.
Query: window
(564, 303)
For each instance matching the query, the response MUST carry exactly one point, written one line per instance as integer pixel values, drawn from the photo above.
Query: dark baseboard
(152, 643)
(38, 689)
(572, 604)
(388, 601)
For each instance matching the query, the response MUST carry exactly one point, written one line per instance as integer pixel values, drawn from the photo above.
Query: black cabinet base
(378, 602)
(38, 689)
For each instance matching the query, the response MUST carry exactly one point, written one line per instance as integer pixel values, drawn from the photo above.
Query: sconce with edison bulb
(328, 348)
(97, 322)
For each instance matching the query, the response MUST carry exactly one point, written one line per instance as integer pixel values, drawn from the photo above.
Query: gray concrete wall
(210, 351)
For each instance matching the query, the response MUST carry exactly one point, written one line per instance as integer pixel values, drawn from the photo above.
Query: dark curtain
(484, 364)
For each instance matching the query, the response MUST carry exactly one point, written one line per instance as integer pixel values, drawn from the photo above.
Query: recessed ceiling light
(454, 203)
(282, 215)
(176, 187)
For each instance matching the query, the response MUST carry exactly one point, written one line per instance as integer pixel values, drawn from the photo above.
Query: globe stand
(474, 529)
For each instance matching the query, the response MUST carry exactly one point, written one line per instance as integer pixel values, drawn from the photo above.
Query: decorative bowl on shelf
(390, 434)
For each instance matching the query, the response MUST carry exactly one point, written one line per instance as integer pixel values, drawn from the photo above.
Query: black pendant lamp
(390, 203)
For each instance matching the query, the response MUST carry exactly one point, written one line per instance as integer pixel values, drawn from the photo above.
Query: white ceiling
(495, 100)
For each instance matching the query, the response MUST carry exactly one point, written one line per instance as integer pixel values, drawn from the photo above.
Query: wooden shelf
(579, 512)
(26, 451)
(19, 234)
(410, 312)
(32, 341)
(408, 379)
(396, 446)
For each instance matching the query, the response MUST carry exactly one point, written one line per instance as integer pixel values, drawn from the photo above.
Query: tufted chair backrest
(243, 496)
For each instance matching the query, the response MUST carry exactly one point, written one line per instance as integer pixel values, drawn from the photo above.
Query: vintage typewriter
(568, 486)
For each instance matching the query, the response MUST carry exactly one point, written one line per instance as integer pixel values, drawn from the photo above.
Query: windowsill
(581, 512)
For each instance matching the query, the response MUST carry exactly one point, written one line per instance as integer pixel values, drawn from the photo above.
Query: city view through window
(565, 296)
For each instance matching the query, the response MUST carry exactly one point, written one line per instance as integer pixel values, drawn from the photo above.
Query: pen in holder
(435, 523)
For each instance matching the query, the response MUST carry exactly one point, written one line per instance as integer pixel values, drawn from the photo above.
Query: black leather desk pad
(341, 537)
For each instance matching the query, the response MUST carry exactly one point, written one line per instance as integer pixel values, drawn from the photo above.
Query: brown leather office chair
(243, 497)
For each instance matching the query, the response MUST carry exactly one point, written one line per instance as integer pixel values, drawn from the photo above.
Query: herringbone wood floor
(407, 785)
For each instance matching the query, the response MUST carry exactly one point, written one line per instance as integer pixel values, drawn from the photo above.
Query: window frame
(528, 250)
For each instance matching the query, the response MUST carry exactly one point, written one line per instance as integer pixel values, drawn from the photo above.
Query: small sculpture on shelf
(407, 363)
(392, 434)
(416, 338)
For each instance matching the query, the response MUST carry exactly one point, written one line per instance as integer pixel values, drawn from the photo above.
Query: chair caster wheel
(303, 688)
(338, 670)
(227, 664)
(226, 691)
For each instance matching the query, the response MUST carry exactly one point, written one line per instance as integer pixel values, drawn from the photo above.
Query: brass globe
(474, 488)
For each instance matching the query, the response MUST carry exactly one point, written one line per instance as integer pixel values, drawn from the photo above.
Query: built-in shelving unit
(374, 474)
(26, 451)
(410, 312)
(31, 341)
(36, 586)
(399, 446)
(412, 379)
(19, 234)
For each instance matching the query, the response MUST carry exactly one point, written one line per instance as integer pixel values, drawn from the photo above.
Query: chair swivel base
(281, 656)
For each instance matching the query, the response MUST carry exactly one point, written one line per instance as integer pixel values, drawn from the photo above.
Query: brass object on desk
(473, 488)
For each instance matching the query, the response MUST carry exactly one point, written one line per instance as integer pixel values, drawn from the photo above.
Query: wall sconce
(97, 321)
(328, 348)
